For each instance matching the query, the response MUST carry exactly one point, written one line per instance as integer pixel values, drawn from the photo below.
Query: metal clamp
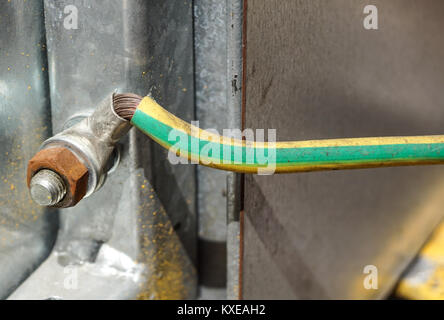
(78, 158)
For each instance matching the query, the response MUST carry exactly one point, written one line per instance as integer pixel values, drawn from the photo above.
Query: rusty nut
(63, 162)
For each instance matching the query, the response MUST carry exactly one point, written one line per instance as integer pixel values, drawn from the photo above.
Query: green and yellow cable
(293, 156)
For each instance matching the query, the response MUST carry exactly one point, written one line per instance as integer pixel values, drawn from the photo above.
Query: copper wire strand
(125, 104)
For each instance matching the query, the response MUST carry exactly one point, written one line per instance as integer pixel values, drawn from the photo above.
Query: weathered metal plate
(141, 226)
(27, 232)
(314, 72)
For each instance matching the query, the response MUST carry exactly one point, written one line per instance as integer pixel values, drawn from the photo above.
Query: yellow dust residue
(26, 138)
(171, 273)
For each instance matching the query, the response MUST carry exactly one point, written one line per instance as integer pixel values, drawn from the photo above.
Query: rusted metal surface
(93, 140)
(66, 164)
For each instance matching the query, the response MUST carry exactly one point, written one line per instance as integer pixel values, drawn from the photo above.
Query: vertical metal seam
(243, 106)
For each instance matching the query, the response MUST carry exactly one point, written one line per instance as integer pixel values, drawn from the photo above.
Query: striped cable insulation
(213, 150)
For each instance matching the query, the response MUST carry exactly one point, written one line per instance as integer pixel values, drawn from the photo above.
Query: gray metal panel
(235, 75)
(212, 112)
(314, 72)
(217, 31)
(146, 210)
(27, 232)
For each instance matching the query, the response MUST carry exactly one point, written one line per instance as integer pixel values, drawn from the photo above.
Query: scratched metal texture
(314, 72)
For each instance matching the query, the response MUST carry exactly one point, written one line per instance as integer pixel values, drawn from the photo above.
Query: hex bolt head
(47, 188)
(57, 178)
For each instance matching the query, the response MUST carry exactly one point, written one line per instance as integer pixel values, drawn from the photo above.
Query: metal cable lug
(79, 156)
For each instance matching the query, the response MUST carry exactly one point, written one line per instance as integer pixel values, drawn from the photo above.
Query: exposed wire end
(125, 104)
